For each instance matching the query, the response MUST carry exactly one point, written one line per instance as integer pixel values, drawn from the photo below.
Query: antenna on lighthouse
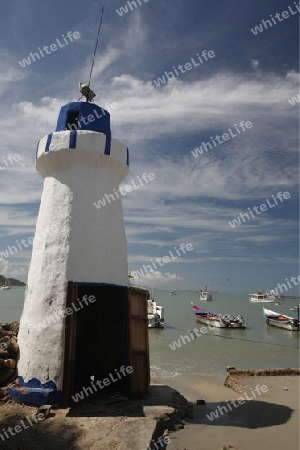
(85, 88)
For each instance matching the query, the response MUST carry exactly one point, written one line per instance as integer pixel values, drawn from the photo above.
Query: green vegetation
(12, 281)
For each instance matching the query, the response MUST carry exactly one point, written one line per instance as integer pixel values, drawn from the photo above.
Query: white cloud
(158, 278)
(254, 63)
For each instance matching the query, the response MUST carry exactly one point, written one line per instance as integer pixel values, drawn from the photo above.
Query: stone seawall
(234, 379)
(9, 351)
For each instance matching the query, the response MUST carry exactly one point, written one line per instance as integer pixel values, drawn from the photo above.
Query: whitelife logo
(240, 401)
(124, 9)
(263, 207)
(11, 250)
(124, 189)
(53, 47)
(161, 261)
(268, 23)
(62, 313)
(18, 428)
(294, 100)
(86, 391)
(225, 136)
(9, 160)
(187, 66)
(85, 120)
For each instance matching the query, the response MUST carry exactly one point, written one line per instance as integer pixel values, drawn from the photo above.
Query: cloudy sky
(192, 199)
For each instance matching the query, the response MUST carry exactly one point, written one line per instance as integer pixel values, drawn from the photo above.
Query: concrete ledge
(106, 422)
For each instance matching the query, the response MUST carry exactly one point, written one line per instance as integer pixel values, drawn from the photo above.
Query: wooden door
(138, 341)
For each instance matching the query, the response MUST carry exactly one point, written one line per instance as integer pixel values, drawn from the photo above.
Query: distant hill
(12, 281)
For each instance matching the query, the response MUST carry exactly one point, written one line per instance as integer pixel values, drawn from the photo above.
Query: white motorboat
(218, 320)
(281, 320)
(155, 315)
(259, 297)
(204, 295)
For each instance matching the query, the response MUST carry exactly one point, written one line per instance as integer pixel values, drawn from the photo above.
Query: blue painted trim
(73, 139)
(127, 156)
(35, 383)
(36, 393)
(37, 149)
(48, 143)
(107, 144)
(100, 124)
(100, 284)
(35, 396)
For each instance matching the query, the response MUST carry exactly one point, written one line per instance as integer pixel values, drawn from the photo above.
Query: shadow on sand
(252, 414)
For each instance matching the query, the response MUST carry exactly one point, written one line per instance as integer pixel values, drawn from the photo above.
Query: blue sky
(191, 200)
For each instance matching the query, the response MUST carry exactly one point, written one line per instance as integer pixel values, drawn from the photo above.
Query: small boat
(155, 315)
(204, 295)
(259, 297)
(280, 320)
(6, 285)
(218, 320)
(294, 308)
(172, 292)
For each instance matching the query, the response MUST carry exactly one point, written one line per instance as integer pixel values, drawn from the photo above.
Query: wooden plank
(138, 341)
(70, 345)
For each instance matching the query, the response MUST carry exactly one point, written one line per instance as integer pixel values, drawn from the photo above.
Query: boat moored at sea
(204, 295)
(155, 315)
(259, 297)
(6, 285)
(281, 320)
(218, 320)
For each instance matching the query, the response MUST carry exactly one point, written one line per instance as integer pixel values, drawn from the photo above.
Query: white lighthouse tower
(75, 242)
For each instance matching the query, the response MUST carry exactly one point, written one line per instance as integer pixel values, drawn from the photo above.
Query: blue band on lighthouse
(73, 139)
(49, 139)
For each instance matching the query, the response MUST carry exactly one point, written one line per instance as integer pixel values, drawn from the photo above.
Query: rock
(9, 350)
(3, 353)
(3, 392)
(10, 363)
(13, 346)
(45, 409)
(6, 374)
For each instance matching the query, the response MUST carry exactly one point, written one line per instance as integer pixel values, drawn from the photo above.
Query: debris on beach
(9, 350)
(228, 447)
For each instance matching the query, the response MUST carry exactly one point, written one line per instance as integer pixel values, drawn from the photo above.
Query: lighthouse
(75, 322)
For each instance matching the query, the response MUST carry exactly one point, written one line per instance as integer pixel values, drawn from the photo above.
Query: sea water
(258, 346)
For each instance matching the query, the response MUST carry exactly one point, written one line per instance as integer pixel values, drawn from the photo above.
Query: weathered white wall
(74, 241)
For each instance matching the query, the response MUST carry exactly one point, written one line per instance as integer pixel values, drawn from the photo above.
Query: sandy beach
(269, 421)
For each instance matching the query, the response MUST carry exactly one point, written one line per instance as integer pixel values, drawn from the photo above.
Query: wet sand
(266, 421)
